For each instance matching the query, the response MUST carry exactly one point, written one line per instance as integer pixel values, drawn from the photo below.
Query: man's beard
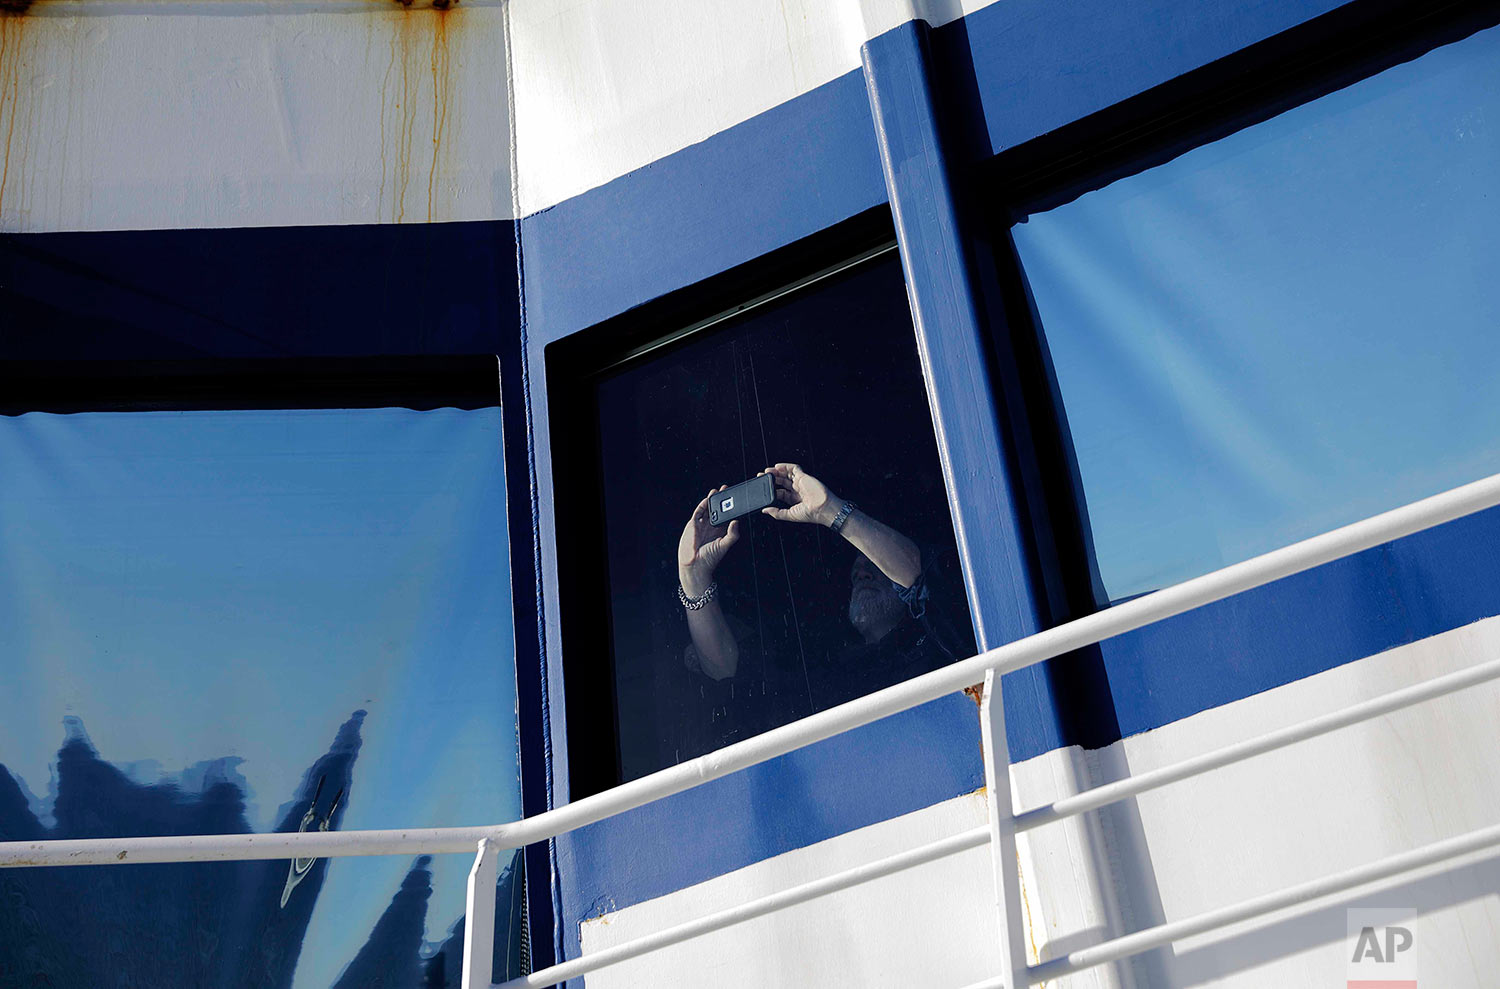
(874, 607)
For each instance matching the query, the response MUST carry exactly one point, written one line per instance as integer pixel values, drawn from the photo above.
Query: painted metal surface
(605, 89)
(1038, 66)
(929, 926)
(479, 912)
(1005, 864)
(349, 111)
(1329, 804)
(1384, 597)
(1109, 793)
(213, 294)
(762, 907)
(1405, 863)
(225, 113)
(976, 452)
(1289, 926)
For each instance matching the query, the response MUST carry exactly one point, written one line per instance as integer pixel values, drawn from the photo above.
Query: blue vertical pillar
(984, 491)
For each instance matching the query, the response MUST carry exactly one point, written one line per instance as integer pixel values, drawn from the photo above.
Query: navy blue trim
(984, 494)
(1013, 523)
(786, 174)
(950, 336)
(525, 583)
(1208, 101)
(1039, 65)
(892, 767)
(1385, 597)
(410, 382)
(258, 292)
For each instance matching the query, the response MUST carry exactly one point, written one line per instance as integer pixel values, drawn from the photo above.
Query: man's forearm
(896, 556)
(718, 653)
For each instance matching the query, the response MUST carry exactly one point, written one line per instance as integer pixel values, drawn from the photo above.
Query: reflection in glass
(1286, 330)
(252, 621)
(741, 609)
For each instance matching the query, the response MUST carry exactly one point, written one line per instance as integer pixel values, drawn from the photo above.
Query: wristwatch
(842, 518)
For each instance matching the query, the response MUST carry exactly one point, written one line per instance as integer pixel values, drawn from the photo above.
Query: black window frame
(572, 366)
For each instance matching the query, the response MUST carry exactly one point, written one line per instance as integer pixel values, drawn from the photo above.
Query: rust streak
(419, 53)
(404, 107)
(385, 86)
(12, 53)
(441, 80)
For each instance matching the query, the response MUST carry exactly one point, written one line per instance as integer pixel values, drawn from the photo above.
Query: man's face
(873, 604)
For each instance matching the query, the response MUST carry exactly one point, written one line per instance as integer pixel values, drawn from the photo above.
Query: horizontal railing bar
(749, 911)
(239, 847)
(1212, 920)
(1077, 634)
(1109, 793)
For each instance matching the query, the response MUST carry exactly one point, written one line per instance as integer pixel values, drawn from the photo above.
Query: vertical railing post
(1003, 833)
(479, 922)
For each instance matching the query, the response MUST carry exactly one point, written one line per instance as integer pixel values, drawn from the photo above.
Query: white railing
(1004, 823)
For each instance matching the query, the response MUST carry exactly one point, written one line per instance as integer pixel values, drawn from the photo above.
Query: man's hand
(806, 498)
(702, 548)
(803, 498)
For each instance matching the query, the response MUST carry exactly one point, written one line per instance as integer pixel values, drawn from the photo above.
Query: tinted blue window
(251, 621)
(1286, 330)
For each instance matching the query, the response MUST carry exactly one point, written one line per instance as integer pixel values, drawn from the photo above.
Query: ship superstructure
(1040, 317)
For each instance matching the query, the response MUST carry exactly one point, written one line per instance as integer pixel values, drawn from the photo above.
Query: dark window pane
(1286, 330)
(826, 378)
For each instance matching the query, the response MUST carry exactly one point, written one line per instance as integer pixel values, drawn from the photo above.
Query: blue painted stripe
(328, 291)
(937, 261)
(893, 767)
(1039, 65)
(785, 174)
(1389, 596)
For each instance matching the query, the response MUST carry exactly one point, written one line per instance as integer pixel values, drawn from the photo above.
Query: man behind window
(900, 603)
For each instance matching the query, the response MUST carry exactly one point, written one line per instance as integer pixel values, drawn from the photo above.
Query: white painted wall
(604, 87)
(920, 928)
(222, 113)
(150, 114)
(1332, 803)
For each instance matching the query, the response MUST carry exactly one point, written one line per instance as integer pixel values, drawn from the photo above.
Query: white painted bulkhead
(1316, 808)
(175, 114)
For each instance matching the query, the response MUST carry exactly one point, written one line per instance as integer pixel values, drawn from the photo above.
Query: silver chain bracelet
(694, 604)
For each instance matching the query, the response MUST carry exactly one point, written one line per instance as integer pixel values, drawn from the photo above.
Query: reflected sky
(1288, 329)
(198, 585)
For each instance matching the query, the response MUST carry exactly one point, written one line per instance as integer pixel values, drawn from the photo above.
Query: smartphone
(741, 499)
